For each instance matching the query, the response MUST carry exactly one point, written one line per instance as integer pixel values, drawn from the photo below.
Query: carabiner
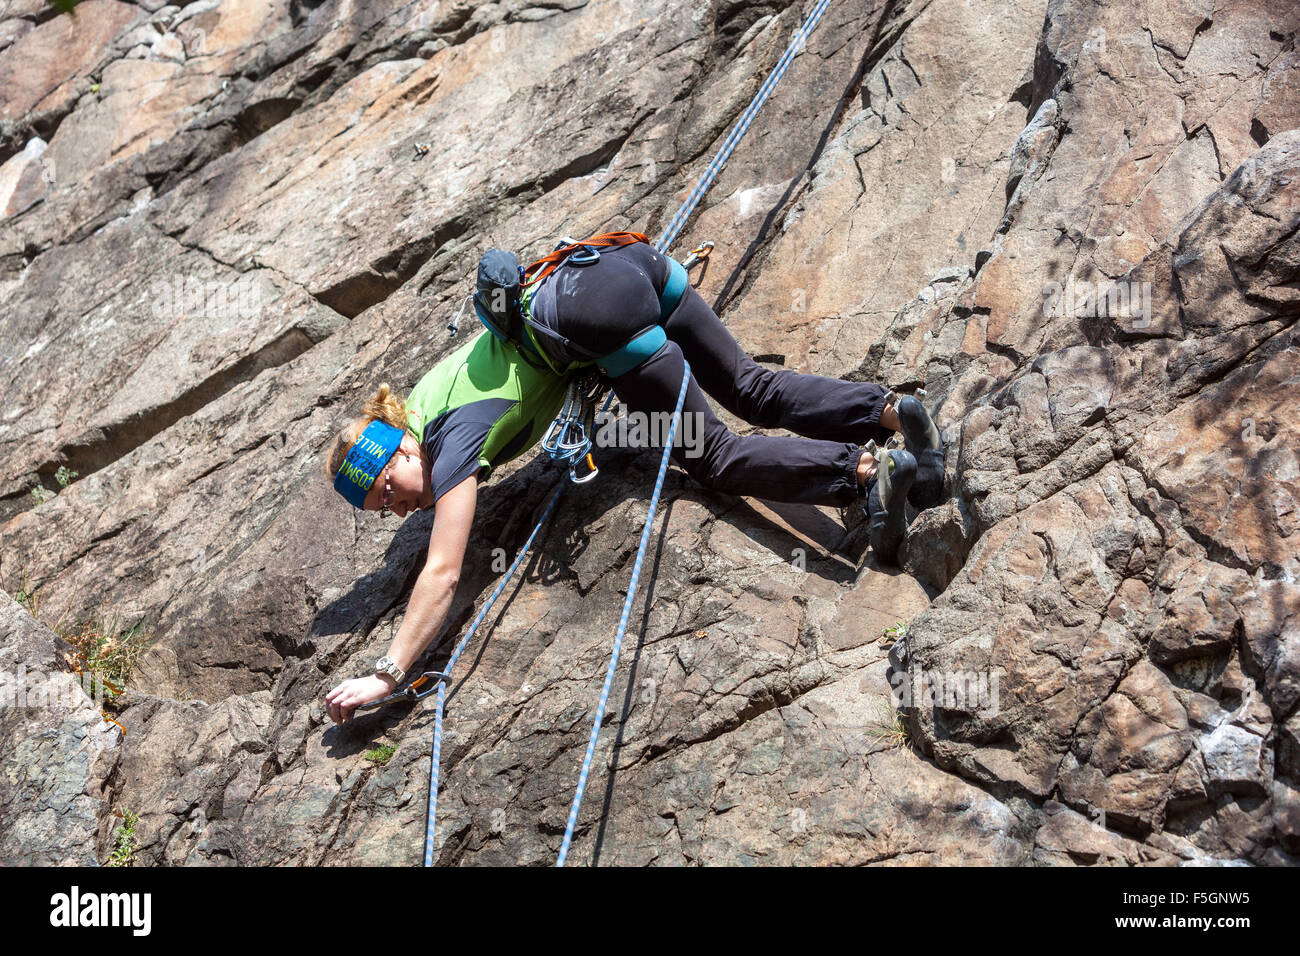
(698, 254)
(573, 474)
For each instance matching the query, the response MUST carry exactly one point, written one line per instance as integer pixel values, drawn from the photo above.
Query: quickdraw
(698, 254)
(416, 690)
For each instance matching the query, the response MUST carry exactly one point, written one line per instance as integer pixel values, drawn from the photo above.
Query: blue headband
(369, 453)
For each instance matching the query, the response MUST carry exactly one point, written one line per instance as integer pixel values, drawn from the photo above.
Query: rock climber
(485, 404)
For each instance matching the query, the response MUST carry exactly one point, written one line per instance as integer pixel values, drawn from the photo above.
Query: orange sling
(553, 260)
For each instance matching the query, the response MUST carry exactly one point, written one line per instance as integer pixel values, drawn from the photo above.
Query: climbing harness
(569, 439)
(582, 253)
(501, 301)
(504, 291)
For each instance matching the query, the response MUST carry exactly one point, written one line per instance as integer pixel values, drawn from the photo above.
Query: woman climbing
(491, 400)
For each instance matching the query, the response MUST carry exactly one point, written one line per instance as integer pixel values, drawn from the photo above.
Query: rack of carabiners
(569, 442)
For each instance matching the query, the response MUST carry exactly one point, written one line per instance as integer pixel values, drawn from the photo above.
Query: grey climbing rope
(623, 619)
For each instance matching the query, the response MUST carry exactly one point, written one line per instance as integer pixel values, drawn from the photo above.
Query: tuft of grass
(889, 728)
(380, 755)
(895, 632)
(63, 475)
(124, 845)
(106, 649)
(101, 646)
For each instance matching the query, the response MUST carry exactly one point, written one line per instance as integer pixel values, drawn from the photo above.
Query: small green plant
(41, 494)
(26, 597)
(124, 845)
(895, 632)
(380, 755)
(64, 475)
(889, 728)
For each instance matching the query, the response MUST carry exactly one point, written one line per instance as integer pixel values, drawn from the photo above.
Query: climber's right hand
(351, 694)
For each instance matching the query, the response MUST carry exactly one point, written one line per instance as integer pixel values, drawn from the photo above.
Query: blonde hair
(384, 406)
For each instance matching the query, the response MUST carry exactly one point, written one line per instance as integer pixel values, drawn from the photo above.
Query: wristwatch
(386, 665)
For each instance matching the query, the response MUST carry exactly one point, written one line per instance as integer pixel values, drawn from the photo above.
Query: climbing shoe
(922, 440)
(886, 505)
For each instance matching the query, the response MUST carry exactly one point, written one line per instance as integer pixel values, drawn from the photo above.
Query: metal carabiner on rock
(698, 254)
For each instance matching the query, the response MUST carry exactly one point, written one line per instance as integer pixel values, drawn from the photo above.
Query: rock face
(1074, 225)
(56, 750)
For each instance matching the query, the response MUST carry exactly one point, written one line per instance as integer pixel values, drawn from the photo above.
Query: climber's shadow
(375, 593)
(507, 514)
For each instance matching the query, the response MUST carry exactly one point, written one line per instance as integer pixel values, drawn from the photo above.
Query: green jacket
(481, 406)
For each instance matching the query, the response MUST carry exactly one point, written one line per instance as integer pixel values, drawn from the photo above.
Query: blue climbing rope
(451, 662)
(724, 153)
(662, 244)
(622, 621)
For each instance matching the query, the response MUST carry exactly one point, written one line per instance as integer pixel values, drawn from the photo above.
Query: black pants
(596, 308)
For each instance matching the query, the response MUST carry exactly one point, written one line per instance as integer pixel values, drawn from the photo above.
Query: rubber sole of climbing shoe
(887, 504)
(922, 440)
